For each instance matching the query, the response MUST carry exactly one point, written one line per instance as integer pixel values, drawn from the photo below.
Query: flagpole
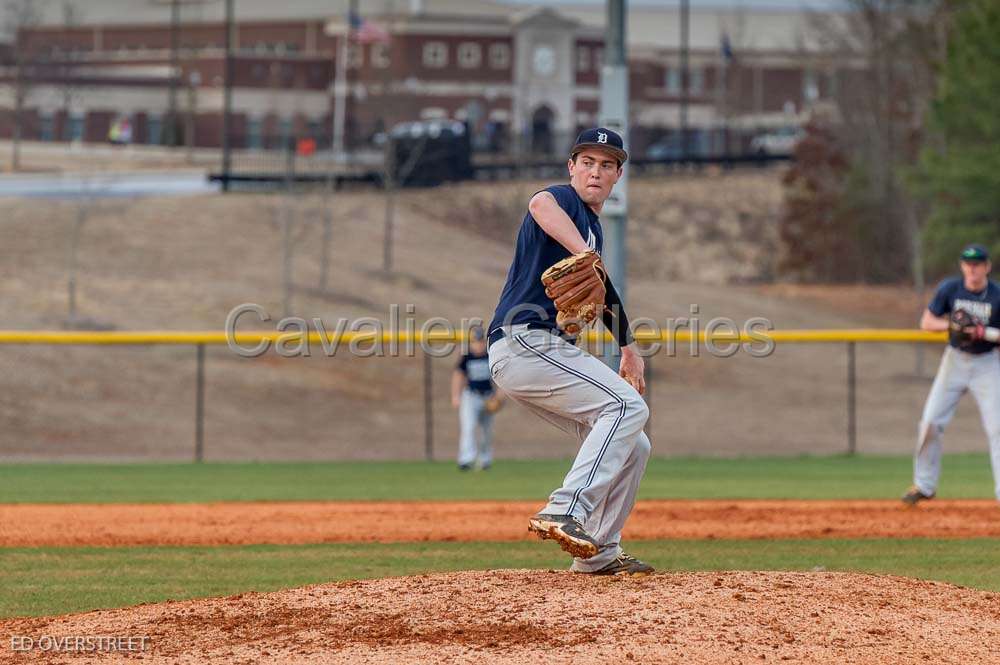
(339, 85)
(340, 91)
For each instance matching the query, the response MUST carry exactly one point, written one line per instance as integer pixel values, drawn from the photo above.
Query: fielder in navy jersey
(538, 366)
(970, 363)
(472, 391)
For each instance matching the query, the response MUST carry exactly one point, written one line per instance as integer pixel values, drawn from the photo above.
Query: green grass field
(41, 581)
(965, 476)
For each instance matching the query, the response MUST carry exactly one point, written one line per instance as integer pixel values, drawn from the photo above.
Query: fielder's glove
(964, 329)
(493, 404)
(576, 286)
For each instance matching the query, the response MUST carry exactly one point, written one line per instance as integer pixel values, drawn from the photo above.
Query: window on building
(255, 133)
(380, 55)
(77, 125)
(697, 82)
(285, 130)
(499, 56)
(257, 72)
(433, 113)
(435, 54)
(598, 58)
(355, 56)
(699, 142)
(154, 126)
(673, 80)
(470, 55)
(46, 126)
(582, 59)
(315, 129)
(810, 86)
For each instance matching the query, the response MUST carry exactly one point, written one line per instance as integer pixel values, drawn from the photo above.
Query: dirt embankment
(323, 522)
(186, 262)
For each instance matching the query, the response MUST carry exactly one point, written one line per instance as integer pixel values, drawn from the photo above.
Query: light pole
(227, 99)
(685, 75)
(194, 80)
(170, 131)
(341, 84)
(614, 116)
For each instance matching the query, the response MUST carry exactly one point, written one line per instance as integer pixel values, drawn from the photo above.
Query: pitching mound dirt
(513, 616)
(320, 522)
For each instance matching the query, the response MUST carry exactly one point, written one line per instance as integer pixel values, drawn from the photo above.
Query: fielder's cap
(975, 253)
(477, 334)
(601, 139)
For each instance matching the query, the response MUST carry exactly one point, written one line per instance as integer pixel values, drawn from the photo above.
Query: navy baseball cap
(601, 139)
(975, 253)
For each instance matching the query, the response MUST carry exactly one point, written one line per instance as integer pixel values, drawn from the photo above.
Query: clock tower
(544, 80)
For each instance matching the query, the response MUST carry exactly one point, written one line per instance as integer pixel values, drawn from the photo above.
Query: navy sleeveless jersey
(477, 372)
(523, 298)
(985, 305)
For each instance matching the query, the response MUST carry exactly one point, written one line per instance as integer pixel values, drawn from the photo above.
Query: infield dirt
(520, 616)
(107, 525)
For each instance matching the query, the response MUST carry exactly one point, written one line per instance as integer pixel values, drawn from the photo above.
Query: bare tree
(886, 53)
(64, 64)
(93, 190)
(19, 17)
(326, 216)
(394, 175)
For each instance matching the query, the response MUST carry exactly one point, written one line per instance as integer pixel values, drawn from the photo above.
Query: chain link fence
(184, 401)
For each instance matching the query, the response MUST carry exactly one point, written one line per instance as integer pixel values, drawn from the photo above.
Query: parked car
(665, 149)
(430, 152)
(779, 142)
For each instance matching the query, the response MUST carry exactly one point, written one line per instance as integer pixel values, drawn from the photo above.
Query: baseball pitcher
(556, 285)
(968, 307)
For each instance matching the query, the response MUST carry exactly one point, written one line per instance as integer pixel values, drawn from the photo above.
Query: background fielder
(472, 393)
(539, 367)
(971, 363)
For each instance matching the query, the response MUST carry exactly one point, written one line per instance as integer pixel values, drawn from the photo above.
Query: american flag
(367, 32)
(727, 48)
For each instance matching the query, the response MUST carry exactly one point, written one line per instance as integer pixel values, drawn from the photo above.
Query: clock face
(544, 60)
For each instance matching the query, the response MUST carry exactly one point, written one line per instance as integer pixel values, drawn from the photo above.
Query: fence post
(199, 408)
(428, 410)
(852, 418)
(649, 393)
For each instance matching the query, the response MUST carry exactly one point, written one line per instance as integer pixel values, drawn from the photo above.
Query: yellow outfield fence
(262, 339)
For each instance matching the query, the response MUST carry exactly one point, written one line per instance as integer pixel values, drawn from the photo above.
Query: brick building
(513, 71)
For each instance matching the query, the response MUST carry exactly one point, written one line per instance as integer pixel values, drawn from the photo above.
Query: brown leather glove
(964, 328)
(576, 286)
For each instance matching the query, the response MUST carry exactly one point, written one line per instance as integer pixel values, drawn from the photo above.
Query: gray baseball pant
(959, 372)
(580, 395)
(473, 416)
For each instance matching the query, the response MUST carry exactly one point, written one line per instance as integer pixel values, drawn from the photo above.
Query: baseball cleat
(565, 530)
(914, 496)
(624, 564)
